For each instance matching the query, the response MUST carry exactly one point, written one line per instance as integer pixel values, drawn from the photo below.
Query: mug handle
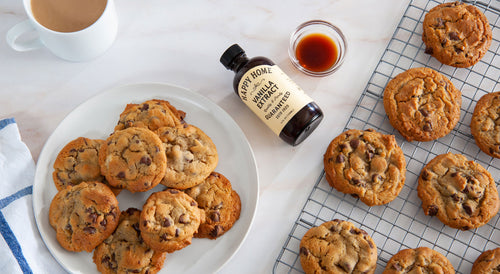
(19, 29)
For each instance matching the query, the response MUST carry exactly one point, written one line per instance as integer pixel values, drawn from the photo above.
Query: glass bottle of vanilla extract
(272, 96)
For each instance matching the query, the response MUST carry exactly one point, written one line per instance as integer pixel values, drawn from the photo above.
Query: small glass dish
(325, 30)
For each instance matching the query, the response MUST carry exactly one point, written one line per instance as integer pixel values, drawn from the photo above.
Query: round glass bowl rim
(342, 49)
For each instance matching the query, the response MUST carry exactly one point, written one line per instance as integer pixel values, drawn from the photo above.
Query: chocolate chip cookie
(222, 205)
(487, 263)
(461, 193)
(134, 159)
(169, 219)
(366, 164)
(456, 34)
(337, 247)
(125, 251)
(78, 162)
(418, 260)
(84, 215)
(191, 155)
(485, 124)
(422, 104)
(151, 114)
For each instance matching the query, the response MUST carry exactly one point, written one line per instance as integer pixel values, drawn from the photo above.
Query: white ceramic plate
(97, 117)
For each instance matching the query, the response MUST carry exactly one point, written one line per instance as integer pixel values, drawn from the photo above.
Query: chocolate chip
(432, 210)
(216, 231)
(454, 174)
(93, 217)
(103, 222)
(456, 197)
(69, 228)
(466, 189)
(135, 226)
(376, 177)
(467, 209)
(177, 231)
(146, 160)
(340, 158)
(346, 267)
(89, 230)
(173, 191)
(131, 210)
(458, 50)
(342, 146)
(145, 223)
(397, 267)
(183, 219)
(498, 268)
(358, 182)
(166, 222)
(215, 216)
(163, 237)
(354, 231)
(304, 251)
(144, 107)
(439, 23)
(354, 143)
(218, 206)
(424, 112)
(429, 50)
(121, 175)
(369, 155)
(427, 127)
(453, 36)
(193, 203)
(425, 175)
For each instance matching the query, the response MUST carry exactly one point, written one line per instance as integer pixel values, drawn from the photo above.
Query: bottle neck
(238, 62)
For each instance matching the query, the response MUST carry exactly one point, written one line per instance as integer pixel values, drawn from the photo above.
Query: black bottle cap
(228, 56)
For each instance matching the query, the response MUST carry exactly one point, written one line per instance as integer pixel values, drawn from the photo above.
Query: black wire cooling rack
(402, 223)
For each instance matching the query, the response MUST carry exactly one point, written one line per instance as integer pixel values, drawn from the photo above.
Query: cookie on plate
(169, 219)
(191, 156)
(84, 215)
(418, 260)
(134, 159)
(151, 114)
(78, 161)
(222, 205)
(456, 34)
(125, 251)
(485, 124)
(337, 246)
(367, 164)
(488, 262)
(422, 104)
(461, 193)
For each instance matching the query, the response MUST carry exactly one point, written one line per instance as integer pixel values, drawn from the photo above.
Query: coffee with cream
(67, 15)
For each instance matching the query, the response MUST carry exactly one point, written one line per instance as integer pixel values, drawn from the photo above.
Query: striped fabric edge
(6, 122)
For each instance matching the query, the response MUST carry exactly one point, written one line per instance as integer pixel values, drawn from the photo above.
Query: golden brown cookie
(125, 251)
(485, 124)
(220, 202)
(151, 114)
(419, 260)
(366, 164)
(461, 193)
(84, 215)
(191, 156)
(134, 159)
(487, 263)
(169, 219)
(337, 247)
(78, 161)
(422, 104)
(456, 34)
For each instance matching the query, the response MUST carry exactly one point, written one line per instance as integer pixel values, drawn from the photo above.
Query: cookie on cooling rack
(169, 219)
(84, 215)
(461, 193)
(151, 114)
(485, 124)
(78, 161)
(487, 262)
(337, 246)
(367, 164)
(422, 104)
(134, 159)
(418, 260)
(456, 34)
(222, 205)
(191, 155)
(125, 251)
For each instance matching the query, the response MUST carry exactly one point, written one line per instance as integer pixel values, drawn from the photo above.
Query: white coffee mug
(77, 46)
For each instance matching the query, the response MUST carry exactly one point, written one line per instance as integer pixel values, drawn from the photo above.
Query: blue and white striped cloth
(21, 247)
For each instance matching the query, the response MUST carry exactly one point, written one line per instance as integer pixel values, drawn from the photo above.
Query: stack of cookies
(422, 105)
(151, 145)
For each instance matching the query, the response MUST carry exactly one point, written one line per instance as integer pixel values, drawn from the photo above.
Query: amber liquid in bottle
(302, 123)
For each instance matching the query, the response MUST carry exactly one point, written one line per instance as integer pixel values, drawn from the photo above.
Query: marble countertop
(180, 42)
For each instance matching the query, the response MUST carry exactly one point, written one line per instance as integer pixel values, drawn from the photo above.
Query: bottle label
(272, 95)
